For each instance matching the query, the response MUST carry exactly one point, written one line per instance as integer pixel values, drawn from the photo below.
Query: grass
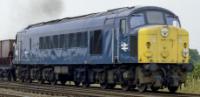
(192, 86)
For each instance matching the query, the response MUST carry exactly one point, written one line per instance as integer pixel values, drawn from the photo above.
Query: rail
(58, 90)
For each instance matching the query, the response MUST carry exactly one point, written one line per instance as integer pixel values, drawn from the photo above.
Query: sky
(18, 14)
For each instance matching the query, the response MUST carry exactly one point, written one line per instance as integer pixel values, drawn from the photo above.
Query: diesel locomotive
(134, 47)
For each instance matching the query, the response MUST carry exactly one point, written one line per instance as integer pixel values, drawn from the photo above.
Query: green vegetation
(193, 82)
(194, 56)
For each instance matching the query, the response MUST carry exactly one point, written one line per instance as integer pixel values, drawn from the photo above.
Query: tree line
(195, 60)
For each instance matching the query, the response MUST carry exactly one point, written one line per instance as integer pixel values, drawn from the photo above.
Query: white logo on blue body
(124, 46)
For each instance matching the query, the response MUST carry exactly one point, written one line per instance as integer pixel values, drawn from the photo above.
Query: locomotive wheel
(21, 76)
(85, 85)
(103, 80)
(29, 80)
(41, 81)
(107, 86)
(52, 79)
(53, 82)
(142, 88)
(111, 86)
(125, 87)
(104, 85)
(27, 76)
(21, 79)
(172, 89)
(154, 89)
(38, 76)
(9, 76)
(77, 83)
(63, 82)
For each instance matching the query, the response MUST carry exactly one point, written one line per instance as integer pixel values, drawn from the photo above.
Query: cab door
(123, 41)
(111, 35)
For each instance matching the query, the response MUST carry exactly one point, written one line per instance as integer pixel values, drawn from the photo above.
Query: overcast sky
(17, 14)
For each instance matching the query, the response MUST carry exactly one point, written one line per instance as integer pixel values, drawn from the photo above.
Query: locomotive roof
(125, 11)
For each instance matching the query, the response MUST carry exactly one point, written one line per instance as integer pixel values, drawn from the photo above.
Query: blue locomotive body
(90, 39)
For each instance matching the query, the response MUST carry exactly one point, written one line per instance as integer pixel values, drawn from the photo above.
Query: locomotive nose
(162, 44)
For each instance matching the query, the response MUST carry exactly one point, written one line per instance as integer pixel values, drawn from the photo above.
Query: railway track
(71, 91)
(7, 95)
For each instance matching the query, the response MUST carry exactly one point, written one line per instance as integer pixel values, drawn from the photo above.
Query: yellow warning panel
(162, 44)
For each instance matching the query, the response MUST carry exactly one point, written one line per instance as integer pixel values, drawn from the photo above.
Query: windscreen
(155, 17)
(172, 20)
(152, 17)
(137, 20)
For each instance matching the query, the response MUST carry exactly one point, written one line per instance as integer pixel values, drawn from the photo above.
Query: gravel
(10, 92)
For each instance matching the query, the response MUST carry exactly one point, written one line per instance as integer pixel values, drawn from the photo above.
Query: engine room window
(75, 40)
(66, 41)
(83, 39)
(30, 44)
(96, 41)
(41, 43)
(79, 39)
(72, 40)
(62, 40)
(56, 41)
(137, 20)
(51, 42)
(45, 44)
(155, 17)
(123, 25)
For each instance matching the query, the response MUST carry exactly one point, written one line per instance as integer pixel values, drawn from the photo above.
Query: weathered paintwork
(114, 41)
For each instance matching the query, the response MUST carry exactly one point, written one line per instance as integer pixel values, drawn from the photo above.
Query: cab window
(155, 17)
(137, 20)
(123, 26)
(171, 20)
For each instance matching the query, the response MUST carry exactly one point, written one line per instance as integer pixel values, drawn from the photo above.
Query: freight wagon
(6, 57)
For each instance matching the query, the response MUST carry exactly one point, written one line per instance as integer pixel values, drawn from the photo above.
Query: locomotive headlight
(148, 44)
(165, 32)
(185, 52)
